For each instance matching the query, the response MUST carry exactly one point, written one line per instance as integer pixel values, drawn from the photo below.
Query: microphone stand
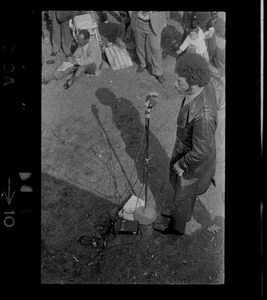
(147, 116)
(144, 214)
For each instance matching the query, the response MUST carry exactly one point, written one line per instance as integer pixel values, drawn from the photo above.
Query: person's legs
(185, 34)
(104, 16)
(58, 74)
(45, 33)
(89, 69)
(66, 38)
(56, 34)
(211, 45)
(156, 55)
(190, 213)
(140, 43)
(212, 51)
(182, 213)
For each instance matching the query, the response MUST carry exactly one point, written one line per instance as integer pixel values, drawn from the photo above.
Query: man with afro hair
(193, 161)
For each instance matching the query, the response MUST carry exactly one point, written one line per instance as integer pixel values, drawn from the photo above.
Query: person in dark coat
(125, 36)
(45, 33)
(206, 21)
(186, 23)
(193, 160)
(61, 33)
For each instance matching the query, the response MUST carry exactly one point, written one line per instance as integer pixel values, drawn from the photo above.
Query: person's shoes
(97, 73)
(161, 79)
(164, 228)
(53, 53)
(140, 69)
(167, 212)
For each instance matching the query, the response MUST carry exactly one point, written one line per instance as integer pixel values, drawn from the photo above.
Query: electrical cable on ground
(116, 193)
(84, 237)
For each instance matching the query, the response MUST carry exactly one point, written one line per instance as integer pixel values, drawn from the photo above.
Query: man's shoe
(53, 53)
(161, 79)
(164, 228)
(140, 69)
(167, 212)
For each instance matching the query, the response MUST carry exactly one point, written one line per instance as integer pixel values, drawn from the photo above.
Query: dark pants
(182, 213)
(183, 205)
(104, 16)
(185, 34)
(45, 33)
(211, 46)
(61, 36)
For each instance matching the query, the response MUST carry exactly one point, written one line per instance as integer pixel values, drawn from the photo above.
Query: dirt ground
(92, 147)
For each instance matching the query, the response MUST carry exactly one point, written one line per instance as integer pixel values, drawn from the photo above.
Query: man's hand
(72, 60)
(210, 32)
(179, 51)
(177, 169)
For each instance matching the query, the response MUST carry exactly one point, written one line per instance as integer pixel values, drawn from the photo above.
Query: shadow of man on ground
(127, 119)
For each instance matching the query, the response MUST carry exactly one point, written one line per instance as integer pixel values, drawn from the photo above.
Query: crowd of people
(193, 161)
(139, 31)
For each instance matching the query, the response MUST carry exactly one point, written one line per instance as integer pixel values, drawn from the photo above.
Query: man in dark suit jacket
(147, 26)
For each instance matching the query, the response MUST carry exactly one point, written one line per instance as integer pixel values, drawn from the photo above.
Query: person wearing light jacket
(206, 20)
(195, 42)
(86, 59)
